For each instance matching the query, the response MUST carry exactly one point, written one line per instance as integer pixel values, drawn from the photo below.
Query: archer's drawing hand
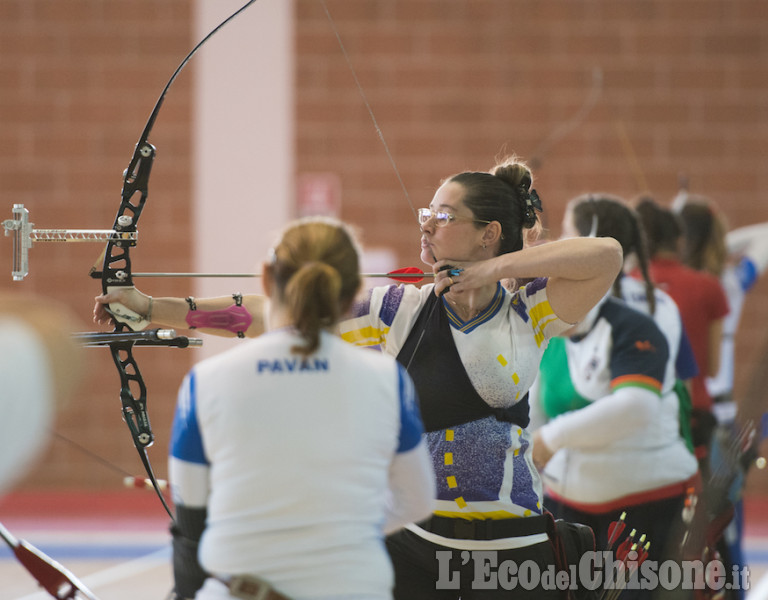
(463, 276)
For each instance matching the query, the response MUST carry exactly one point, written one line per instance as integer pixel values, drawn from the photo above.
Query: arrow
(629, 567)
(624, 547)
(403, 275)
(615, 529)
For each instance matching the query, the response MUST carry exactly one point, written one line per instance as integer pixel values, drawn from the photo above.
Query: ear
(491, 233)
(267, 281)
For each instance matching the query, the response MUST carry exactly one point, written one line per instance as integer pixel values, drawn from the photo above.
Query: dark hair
(604, 215)
(662, 227)
(504, 194)
(703, 236)
(316, 273)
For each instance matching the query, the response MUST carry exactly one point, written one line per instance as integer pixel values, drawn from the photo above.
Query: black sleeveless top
(447, 397)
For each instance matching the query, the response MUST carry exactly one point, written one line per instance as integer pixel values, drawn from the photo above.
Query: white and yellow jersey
(483, 467)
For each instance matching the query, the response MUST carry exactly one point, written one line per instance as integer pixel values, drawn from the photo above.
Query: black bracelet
(238, 298)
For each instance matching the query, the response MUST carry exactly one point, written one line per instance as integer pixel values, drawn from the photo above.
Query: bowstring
(360, 90)
(392, 162)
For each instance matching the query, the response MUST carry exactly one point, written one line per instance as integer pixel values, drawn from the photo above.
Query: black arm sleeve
(188, 575)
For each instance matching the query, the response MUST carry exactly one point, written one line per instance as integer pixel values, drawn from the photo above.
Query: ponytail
(312, 297)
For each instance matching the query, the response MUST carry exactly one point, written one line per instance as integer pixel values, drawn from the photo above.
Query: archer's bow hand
(129, 297)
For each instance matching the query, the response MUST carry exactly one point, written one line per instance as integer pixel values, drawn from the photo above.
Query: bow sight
(25, 235)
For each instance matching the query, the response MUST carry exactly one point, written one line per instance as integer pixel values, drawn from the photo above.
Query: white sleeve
(545, 323)
(537, 414)
(384, 317)
(604, 421)
(411, 488)
(752, 242)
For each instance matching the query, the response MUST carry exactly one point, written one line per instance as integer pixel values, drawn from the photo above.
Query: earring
(483, 245)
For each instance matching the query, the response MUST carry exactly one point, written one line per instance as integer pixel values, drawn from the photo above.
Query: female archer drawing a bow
(472, 346)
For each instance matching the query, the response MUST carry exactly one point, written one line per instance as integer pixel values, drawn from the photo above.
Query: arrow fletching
(53, 577)
(405, 275)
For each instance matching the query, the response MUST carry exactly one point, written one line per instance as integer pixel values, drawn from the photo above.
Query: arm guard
(235, 318)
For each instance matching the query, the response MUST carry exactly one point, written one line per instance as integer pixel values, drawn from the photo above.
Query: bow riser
(117, 262)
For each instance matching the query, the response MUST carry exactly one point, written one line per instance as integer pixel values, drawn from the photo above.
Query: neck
(277, 317)
(470, 304)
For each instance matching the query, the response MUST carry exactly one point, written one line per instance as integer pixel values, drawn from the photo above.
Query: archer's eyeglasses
(443, 218)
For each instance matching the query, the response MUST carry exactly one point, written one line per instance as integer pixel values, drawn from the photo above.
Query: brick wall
(78, 80)
(673, 86)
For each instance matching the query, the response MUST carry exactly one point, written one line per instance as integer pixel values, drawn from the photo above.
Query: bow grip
(123, 314)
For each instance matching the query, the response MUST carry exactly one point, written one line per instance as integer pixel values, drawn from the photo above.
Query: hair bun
(526, 182)
(532, 205)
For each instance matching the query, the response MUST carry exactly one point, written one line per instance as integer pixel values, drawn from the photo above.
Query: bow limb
(116, 270)
(133, 399)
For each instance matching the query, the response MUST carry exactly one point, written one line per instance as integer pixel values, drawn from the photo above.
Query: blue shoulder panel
(411, 427)
(186, 440)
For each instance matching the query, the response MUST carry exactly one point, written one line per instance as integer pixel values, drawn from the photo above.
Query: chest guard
(447, 397)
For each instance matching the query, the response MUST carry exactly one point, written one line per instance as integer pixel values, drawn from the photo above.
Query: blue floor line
(62, 552)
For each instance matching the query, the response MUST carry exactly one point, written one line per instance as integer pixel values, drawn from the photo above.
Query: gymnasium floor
(119, 546)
